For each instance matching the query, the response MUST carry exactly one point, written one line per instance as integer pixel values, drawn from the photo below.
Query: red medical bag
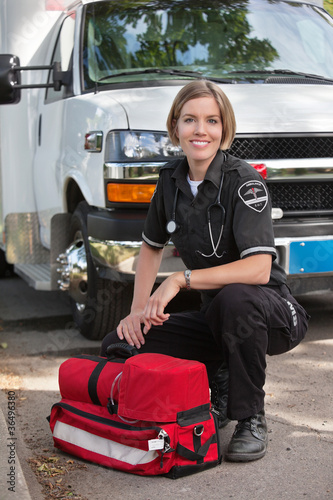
(162, 423)
(145, 448)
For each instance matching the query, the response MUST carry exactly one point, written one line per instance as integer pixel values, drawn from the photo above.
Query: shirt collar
(213, 173)
(180, 174)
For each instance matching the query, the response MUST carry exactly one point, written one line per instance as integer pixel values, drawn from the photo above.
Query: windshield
(213, 38)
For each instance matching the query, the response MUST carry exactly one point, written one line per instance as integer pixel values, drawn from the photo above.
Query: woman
(216, 210)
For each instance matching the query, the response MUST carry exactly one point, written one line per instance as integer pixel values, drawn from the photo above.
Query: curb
(12, 480)
(13, 475)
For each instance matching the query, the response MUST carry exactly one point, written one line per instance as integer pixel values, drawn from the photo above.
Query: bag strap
(121, 351)
(199, 453)
(92, 382)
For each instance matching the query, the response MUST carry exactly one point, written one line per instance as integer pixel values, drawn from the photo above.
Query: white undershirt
(193, 185)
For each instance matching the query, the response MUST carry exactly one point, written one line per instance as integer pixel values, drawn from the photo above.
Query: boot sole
(244, 457)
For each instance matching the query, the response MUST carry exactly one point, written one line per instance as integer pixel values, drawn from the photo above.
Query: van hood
(259, 108)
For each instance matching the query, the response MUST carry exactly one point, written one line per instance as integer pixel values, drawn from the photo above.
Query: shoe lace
(246, 423)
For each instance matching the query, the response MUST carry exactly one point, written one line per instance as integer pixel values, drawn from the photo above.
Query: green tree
(328, 5)
(186, 34)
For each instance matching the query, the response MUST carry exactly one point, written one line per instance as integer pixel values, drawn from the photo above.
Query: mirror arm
(59, 77)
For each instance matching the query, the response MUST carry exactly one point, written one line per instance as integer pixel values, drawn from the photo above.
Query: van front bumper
(115, 239)
(304, 249)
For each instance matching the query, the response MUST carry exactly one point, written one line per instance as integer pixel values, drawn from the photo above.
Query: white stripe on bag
(102, 446)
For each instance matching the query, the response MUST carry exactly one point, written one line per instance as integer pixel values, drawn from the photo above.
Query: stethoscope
(172, 226)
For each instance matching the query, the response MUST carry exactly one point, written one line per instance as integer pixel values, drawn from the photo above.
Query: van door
(52, 110)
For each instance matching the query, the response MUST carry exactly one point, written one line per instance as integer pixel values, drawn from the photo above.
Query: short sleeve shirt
(243, 227)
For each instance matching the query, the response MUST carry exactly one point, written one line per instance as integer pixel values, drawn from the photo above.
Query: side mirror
(9, 76)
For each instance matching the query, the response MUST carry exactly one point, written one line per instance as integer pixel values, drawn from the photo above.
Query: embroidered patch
(254, 195)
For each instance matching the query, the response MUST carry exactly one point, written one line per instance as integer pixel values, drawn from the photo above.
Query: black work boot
(219, 395)
(249, 441)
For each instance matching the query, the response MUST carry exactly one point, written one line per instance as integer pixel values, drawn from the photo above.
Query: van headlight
(137, 145)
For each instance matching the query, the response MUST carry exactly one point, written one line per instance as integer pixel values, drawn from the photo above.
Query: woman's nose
(200, 127)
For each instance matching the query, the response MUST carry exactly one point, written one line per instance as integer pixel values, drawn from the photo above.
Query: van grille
(305, 197)
(273, 148)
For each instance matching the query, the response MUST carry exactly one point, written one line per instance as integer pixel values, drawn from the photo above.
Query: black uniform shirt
(247, 230)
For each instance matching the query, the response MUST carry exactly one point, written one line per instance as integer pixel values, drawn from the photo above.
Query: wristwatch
(187, 274)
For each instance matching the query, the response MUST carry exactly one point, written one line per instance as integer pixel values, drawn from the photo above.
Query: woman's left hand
(167, 290)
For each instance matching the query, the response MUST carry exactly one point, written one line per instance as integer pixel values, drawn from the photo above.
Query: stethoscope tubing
(172, 225)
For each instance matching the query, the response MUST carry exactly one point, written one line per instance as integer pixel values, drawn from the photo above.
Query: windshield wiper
(175, 72)
(282, 72)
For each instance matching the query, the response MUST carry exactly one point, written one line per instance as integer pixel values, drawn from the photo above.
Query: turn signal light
(130, 193)
(261, 168)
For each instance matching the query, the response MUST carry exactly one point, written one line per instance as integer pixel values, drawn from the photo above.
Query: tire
(102, 303)
(5, 268)
(3, 264)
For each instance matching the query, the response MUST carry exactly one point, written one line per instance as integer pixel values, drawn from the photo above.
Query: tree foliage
(328, 5)
(180, 34)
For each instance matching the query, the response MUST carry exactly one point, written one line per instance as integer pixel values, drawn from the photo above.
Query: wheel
(97, 304)
(5, 268)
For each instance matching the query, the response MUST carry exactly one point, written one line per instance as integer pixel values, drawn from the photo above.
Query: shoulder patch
(254, 195)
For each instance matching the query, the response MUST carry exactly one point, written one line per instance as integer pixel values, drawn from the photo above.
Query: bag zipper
(103, 420)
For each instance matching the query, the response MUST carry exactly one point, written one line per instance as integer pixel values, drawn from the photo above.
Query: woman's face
(199, 130)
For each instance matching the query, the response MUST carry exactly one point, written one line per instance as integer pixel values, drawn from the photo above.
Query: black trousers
(242, 324)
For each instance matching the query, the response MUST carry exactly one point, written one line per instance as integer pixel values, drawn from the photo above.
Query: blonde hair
(203, 88)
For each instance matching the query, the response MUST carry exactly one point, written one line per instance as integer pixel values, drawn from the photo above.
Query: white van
(80, 157)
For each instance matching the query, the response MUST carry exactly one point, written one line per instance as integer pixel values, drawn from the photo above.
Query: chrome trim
(139, 170)
(73, 270)
(279, 135)
(93, 141)
(283, 250)
(289, 169)
(298, 169)
(122, 256)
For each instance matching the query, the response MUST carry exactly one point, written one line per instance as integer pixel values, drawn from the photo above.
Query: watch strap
(187, 274)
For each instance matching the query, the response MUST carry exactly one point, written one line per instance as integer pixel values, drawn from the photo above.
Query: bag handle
(121, 350)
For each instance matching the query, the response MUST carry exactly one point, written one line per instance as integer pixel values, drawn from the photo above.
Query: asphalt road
(37, 335)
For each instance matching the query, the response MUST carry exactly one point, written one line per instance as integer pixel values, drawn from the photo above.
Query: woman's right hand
(129, 328)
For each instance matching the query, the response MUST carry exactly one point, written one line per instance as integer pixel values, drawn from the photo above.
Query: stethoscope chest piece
(171, 226)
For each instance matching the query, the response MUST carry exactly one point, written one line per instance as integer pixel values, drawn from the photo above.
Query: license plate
(311, 257)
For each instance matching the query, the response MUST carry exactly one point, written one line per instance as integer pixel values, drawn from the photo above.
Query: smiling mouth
(200, 143)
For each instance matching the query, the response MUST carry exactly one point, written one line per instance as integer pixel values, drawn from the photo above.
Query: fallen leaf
(43, 468)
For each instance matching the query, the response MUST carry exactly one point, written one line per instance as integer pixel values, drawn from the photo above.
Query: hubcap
(74, 273)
